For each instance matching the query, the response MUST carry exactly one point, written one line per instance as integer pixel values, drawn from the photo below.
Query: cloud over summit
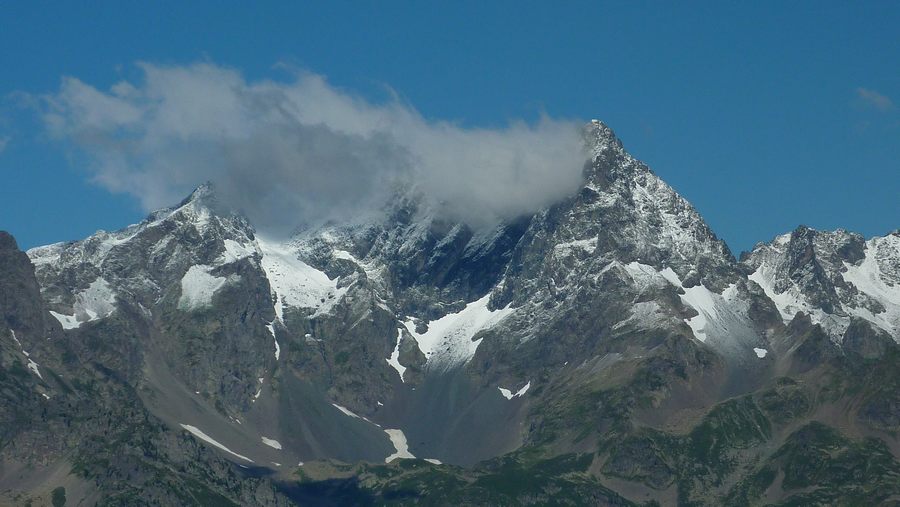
(300, 150)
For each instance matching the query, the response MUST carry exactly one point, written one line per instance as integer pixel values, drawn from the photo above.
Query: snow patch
(67, 321)
(295, 283)
(33, 366)
(644, 315)
(703, 300)
(271, 442)
(373, 272)
(434, 461)
(791, 301)
(235, 251)
(394, 360)
(400, 446)
(760, 353)
(510, 395)
(206, 438)
(258, 392)
(198, 287)
(870, 279)
(347, 411)
(448, 340)
(271, 327)
(721, 317)
(94, 303)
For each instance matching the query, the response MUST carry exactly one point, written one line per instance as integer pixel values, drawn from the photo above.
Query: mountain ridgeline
(606, 350)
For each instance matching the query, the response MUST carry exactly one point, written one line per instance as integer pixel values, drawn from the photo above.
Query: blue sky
(765, 115)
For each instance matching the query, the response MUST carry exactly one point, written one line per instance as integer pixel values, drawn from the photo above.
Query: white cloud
(300, 150)
(874, 99)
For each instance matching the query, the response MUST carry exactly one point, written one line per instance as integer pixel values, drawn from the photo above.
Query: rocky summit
(606, 350)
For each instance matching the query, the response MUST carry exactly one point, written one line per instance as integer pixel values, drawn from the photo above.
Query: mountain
(606, 350)
(834, 277)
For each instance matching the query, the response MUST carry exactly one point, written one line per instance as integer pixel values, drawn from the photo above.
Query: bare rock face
(20, 295)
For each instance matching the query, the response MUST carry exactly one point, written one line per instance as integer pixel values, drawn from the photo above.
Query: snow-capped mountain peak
(832, 276)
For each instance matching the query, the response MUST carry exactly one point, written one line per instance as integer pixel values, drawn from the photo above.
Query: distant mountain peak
(599, 139)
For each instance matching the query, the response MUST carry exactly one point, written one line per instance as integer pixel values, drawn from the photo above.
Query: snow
(644, 315)
(347, 411)
(271, 442)
(373, 271)
(587, 245)
(258, 392)
(644, 275)
(510, 395)
(206, 438)
(760, 353)
(791, 301)
(394, 360)
(788, 304)
(67, 321)
(97, 301)
(869, 278)
(703, 300)
(448, 341)
(434, 461)
(871, 283)
(271, 327)
(235, 251)
(33, 366)
(670, 275)
(402, 449)
(94, 303)
(722, 317)
(198, 287)
(47, 254)
(295, 283)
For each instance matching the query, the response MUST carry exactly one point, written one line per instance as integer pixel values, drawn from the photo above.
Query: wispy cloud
(299, 150)
(4, 140)
(875, 100)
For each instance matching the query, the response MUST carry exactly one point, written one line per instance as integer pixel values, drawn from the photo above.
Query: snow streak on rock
(208, 439)
(394, 360)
